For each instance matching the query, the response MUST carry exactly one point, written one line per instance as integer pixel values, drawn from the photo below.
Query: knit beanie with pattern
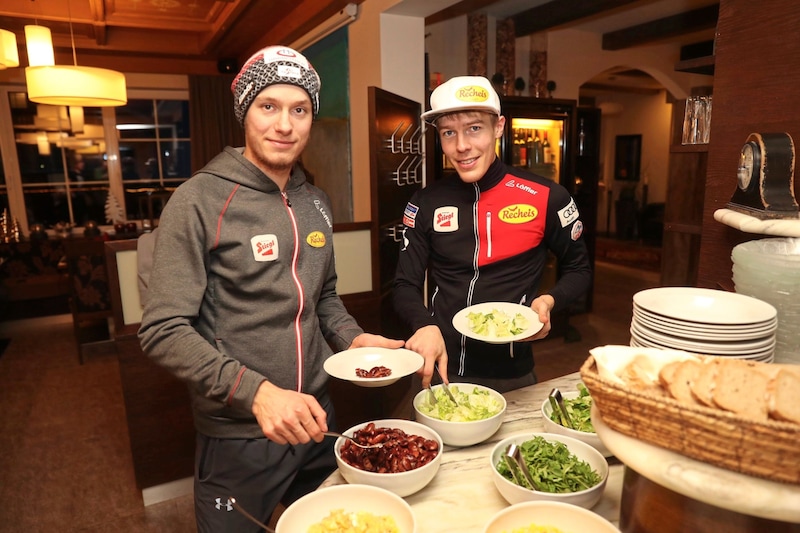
(270, 66)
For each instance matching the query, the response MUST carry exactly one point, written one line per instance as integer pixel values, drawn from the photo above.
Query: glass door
(536, 145)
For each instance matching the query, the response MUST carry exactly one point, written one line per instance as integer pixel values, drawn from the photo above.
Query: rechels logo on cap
(472, 93)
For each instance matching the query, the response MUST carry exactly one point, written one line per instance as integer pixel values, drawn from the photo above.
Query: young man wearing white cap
(483, 235)
(242, 303)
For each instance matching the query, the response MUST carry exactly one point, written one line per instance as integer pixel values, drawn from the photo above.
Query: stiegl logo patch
(265, 247)
(445, 219)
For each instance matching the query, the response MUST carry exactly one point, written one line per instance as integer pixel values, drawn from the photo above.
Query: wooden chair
(89, 297)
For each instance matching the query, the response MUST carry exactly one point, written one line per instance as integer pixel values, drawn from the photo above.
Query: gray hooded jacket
(243, 289)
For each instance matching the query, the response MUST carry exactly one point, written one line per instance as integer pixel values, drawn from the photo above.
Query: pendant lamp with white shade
(9, 56)
(73, 85)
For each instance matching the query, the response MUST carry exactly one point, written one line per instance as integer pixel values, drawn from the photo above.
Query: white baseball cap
(463, 93)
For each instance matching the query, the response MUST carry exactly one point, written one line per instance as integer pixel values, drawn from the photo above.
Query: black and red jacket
(485, 242)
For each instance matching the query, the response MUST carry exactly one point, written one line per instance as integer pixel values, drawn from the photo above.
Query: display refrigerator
(554, 138)
(541, 136)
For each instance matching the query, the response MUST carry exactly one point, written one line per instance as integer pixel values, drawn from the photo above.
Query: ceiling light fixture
(9, 56)
(39, 44)
(74, 85)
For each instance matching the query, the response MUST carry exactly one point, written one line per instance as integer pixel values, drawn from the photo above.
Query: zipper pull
(286, 199)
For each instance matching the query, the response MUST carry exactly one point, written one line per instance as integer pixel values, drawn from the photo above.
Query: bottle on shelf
(581, 139)
(538, 149)
(515, 149)
(522, 161)
(529, 143)
(548, 154)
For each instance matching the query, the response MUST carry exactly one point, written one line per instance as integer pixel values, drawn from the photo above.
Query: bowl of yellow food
(476, 415)
(407, 461)
(548, 517)
(348, 509)
(579, 407)
(562, 469)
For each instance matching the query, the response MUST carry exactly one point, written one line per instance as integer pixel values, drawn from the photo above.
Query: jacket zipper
(298, 331)
(488, 234)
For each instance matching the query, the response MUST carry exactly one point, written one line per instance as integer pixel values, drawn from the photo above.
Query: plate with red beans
(373, 367)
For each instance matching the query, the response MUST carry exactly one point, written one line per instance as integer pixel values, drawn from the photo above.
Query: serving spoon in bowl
(353, 440)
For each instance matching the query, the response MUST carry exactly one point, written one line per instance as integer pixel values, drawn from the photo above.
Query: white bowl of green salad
(563, 469)
(476, 416)
(579, 406)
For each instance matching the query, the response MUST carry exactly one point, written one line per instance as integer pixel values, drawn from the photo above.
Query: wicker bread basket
(769, 449)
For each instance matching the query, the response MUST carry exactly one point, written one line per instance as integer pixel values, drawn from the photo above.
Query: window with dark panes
(154, 151)
(62, 162)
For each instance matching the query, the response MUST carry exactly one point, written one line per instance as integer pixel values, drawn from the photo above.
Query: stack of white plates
(704, 321)
(769, 269)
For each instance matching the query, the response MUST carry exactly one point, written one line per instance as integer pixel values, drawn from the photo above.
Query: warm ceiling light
(39, 43)
(42, 144)
(9, 56)
(76, 86)
(76, 119)
(51, 118)
(73, 85)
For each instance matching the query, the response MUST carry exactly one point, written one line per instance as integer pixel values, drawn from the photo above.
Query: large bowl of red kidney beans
(406, 462)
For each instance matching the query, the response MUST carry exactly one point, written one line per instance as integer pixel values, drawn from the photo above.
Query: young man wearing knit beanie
(242, 303)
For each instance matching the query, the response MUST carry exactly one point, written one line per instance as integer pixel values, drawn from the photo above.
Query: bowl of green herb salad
(561, 468)
(579, 406)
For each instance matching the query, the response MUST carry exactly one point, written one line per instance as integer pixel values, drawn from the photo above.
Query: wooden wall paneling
(757, 72)
(158, 412)
(683, 215)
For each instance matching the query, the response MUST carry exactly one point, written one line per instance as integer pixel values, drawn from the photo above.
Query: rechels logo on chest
(518, 213)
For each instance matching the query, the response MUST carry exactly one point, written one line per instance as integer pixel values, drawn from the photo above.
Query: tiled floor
(65, 462)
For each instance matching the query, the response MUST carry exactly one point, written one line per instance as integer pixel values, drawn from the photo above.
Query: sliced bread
(703, 386)
(679, 387)
(641, 374)
(784, 396)
(740, 387)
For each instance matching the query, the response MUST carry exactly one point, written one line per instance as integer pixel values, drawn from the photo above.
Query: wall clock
(765, 177)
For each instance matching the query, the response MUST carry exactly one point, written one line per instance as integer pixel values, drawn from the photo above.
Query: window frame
(10, 161)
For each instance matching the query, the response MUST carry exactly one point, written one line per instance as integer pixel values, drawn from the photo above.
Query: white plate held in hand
(400, 362)
(461, 323)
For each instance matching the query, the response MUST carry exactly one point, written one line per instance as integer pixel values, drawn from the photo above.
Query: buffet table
(462, 497)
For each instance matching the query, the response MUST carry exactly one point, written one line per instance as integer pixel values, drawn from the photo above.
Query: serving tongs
(557, 403)
(250, 517)
(445, 386)
(517, 466)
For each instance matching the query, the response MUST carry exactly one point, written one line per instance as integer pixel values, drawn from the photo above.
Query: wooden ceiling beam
(558, 13)
(701, 19)
(465, 7)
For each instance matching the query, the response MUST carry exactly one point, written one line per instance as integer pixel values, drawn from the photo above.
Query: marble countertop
(781, 227)
(462, 497)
